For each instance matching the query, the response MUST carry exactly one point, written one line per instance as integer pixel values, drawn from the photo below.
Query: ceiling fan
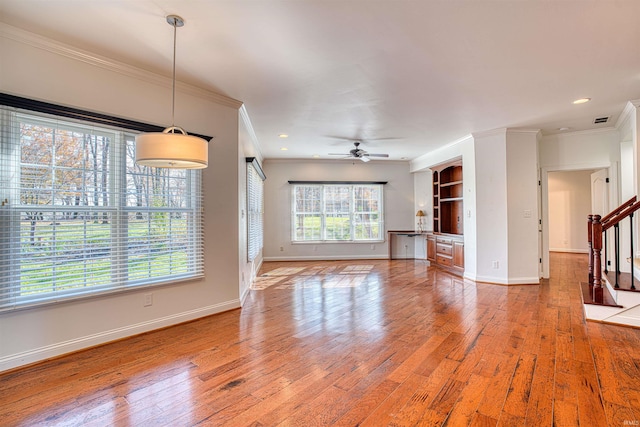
(358, 153)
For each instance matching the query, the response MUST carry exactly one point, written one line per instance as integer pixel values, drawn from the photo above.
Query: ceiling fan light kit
(172, 148)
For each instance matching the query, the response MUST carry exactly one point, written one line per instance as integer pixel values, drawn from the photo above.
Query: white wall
(45, 70)
(491, 205)
(522, 206)
(579, 150)
(398, 202)
(423, 200)
(569, 205)
(627, 189)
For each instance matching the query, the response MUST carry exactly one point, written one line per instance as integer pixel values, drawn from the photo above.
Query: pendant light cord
(173, 96)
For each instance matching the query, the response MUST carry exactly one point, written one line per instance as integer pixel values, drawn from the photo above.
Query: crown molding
(504, 131)
(487, 133)
(246, 120)
(523, 130)
(629, 108)
(456, 142)
(584, 132)
(22, 36)
(425, 161)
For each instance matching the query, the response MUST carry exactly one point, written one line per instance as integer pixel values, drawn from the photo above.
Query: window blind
(255, 209)
(79, 217)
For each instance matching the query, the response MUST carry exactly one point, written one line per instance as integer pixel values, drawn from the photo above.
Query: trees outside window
(337, 212)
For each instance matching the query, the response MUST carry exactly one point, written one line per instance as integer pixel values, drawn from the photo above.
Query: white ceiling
(404, 76)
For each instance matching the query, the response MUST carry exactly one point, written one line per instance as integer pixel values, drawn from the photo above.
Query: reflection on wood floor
(368, 343)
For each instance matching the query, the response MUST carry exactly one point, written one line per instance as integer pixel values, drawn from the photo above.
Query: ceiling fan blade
(389, 138)
(365, 159)
(376, 155)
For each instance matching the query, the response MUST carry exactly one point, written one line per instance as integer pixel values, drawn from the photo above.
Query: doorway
(571, 199)
(567, 197)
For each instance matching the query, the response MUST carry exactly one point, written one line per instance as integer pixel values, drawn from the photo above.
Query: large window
(337, 212)
(79, 217)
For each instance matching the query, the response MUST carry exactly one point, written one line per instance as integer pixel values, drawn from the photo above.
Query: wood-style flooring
(368, 343)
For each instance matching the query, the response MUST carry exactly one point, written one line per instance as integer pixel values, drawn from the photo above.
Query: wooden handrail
(620, 216)
(617, 210)
(597, 229)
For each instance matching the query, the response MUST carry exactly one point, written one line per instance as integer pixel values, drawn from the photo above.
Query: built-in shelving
(445, 246)
(447, 199)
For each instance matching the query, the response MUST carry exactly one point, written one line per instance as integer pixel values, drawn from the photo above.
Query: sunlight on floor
(350, 276)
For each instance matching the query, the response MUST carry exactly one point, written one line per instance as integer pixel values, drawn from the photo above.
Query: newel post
(596, 240)
(590, 243)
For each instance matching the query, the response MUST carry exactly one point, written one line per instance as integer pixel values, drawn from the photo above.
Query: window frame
(323, 214)
(123, 132)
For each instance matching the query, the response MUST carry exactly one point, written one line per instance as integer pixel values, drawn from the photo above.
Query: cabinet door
(458, 254)
(431, 247)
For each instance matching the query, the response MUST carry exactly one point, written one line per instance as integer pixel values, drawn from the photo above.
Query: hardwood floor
(369, 343)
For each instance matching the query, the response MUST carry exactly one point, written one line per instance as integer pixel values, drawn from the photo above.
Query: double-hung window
(79, 217)
(337, 212)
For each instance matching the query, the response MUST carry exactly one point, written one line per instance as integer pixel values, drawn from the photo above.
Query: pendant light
(173, 147)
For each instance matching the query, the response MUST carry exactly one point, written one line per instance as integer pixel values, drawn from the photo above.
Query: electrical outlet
(373, 247)
(148, 300)
(496, 265)
(281, 248)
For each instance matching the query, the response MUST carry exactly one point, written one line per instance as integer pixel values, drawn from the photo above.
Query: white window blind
(337, 212)
(79, 217)
(255, 210)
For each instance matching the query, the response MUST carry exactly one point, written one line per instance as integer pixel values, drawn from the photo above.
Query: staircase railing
(597, 228)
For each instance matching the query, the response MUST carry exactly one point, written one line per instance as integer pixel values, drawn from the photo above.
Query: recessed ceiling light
(283, 135)
(283, 148)
(315, 156)
(403, 158)
(563, 129)
(581, 100)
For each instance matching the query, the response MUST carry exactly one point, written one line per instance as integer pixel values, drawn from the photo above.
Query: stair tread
(590, 297)
(624, 281)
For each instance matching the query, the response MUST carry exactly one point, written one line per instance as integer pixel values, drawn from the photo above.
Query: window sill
(341, 242)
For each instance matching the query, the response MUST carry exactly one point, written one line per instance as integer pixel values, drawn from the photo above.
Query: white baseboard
(502, 281)
(325, 258)
(70, 346)
(571, 251)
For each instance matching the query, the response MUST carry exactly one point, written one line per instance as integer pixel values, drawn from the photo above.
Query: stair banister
(597, 226)
(590, 246)
(620, 216)
(606, 219)
(633, 277)
(619, 209)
